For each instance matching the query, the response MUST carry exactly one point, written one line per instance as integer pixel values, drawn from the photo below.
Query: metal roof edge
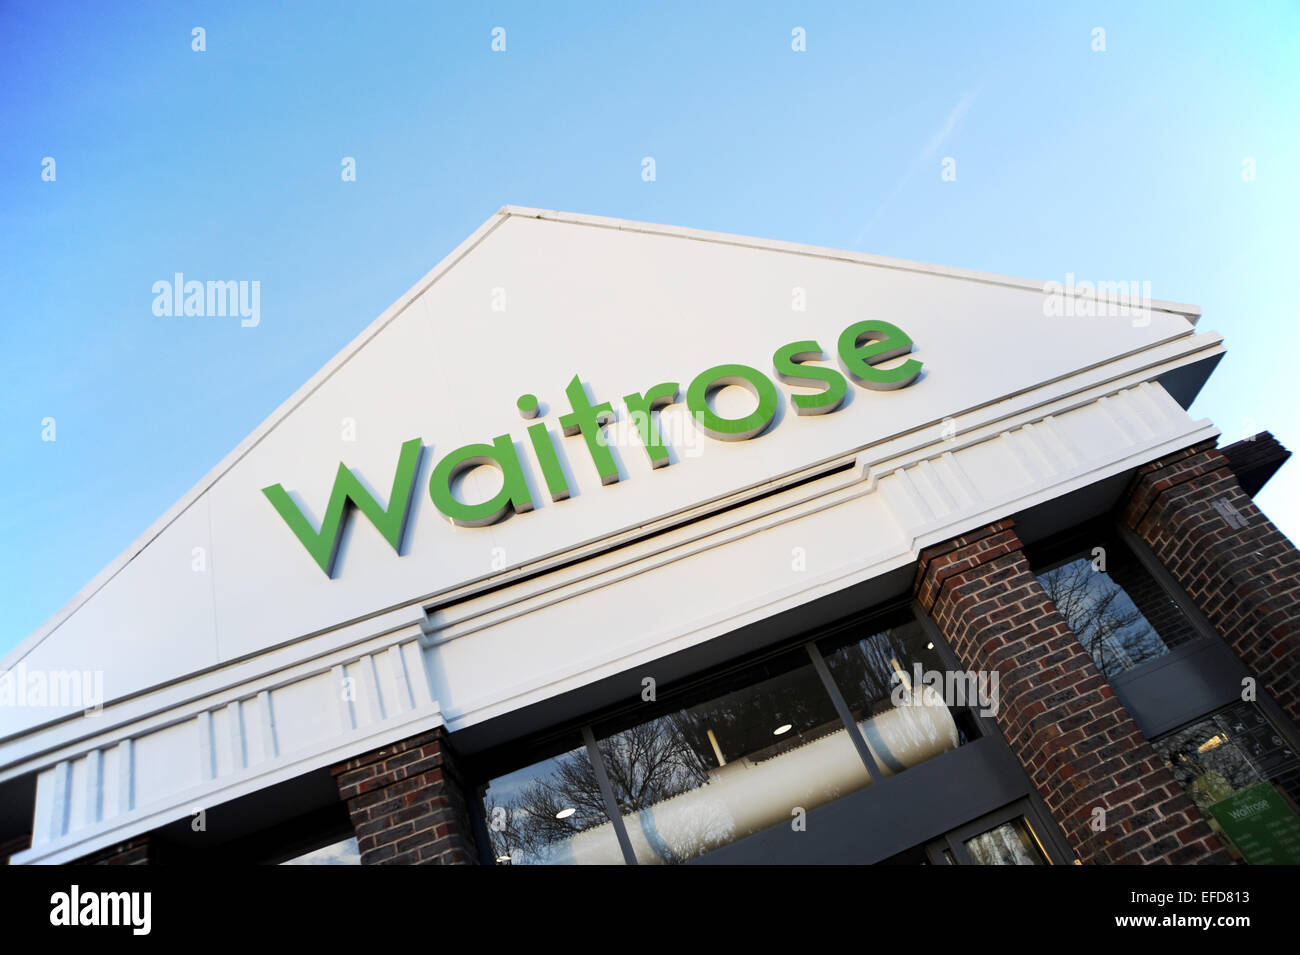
(1191, 312)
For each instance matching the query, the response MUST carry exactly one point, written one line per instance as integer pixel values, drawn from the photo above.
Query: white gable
(531, 300)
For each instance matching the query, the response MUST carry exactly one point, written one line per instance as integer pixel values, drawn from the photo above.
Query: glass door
(1005, 837)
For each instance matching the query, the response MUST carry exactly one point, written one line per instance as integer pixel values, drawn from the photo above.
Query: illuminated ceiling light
(565, 813)
(929, 646)
(783, 728)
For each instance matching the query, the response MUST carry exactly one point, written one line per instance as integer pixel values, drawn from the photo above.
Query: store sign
(1261, 825)
(861, 349)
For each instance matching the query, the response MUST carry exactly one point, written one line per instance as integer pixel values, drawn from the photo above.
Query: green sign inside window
(1261, 825)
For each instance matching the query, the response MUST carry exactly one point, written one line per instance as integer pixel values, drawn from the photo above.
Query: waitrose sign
(861, 349)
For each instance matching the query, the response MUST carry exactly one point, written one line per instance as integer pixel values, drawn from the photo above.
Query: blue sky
(1117, 165)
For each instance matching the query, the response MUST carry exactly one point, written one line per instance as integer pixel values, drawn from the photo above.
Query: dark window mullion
(607, 791)
(846, 717)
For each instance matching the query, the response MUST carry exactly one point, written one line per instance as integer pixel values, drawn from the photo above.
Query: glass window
(343, 852)
(1006, 836)
(762, 749)
(899, 690)
(720, 759)
(1230, 751)
(1118, 610)
(1011, 843)
(550, 813)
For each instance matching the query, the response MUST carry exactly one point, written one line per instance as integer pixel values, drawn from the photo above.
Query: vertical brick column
(1080, 747)
(408, 803)
(1241, 571)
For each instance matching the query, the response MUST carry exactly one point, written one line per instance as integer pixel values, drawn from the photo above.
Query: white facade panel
(224, 678)
(622, 309)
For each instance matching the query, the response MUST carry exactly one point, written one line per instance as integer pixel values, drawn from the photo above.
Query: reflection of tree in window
(664, 757)
(868, 670)
(1007, 844)
(1102, 616)
(522, 825)
(743, 722)
(682, 779)
(864, 671)
(654, 761)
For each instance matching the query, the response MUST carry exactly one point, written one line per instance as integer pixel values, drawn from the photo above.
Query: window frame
(1076, 543)
(954, 840)
(1276, 717)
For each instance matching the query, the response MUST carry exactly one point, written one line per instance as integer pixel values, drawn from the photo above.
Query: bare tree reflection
(652, 763)
(865, 670)
(659, 759)
(524, 825)
(1105, 619)
(656, 760)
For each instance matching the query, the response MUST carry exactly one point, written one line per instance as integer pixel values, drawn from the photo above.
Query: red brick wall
(408, 803)
(1246, 580)
(1080, 747)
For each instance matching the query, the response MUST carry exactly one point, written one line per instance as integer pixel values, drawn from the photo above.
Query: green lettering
(544, 448)
(589, 419)
(789, 369)
(642, 409)
(887, 341)
(323, 545)
(732, 429)
(514, 488)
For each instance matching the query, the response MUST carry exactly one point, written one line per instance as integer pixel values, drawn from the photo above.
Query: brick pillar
(1241, 571)
(136, 851)
(1079, 745)
(408, 803)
